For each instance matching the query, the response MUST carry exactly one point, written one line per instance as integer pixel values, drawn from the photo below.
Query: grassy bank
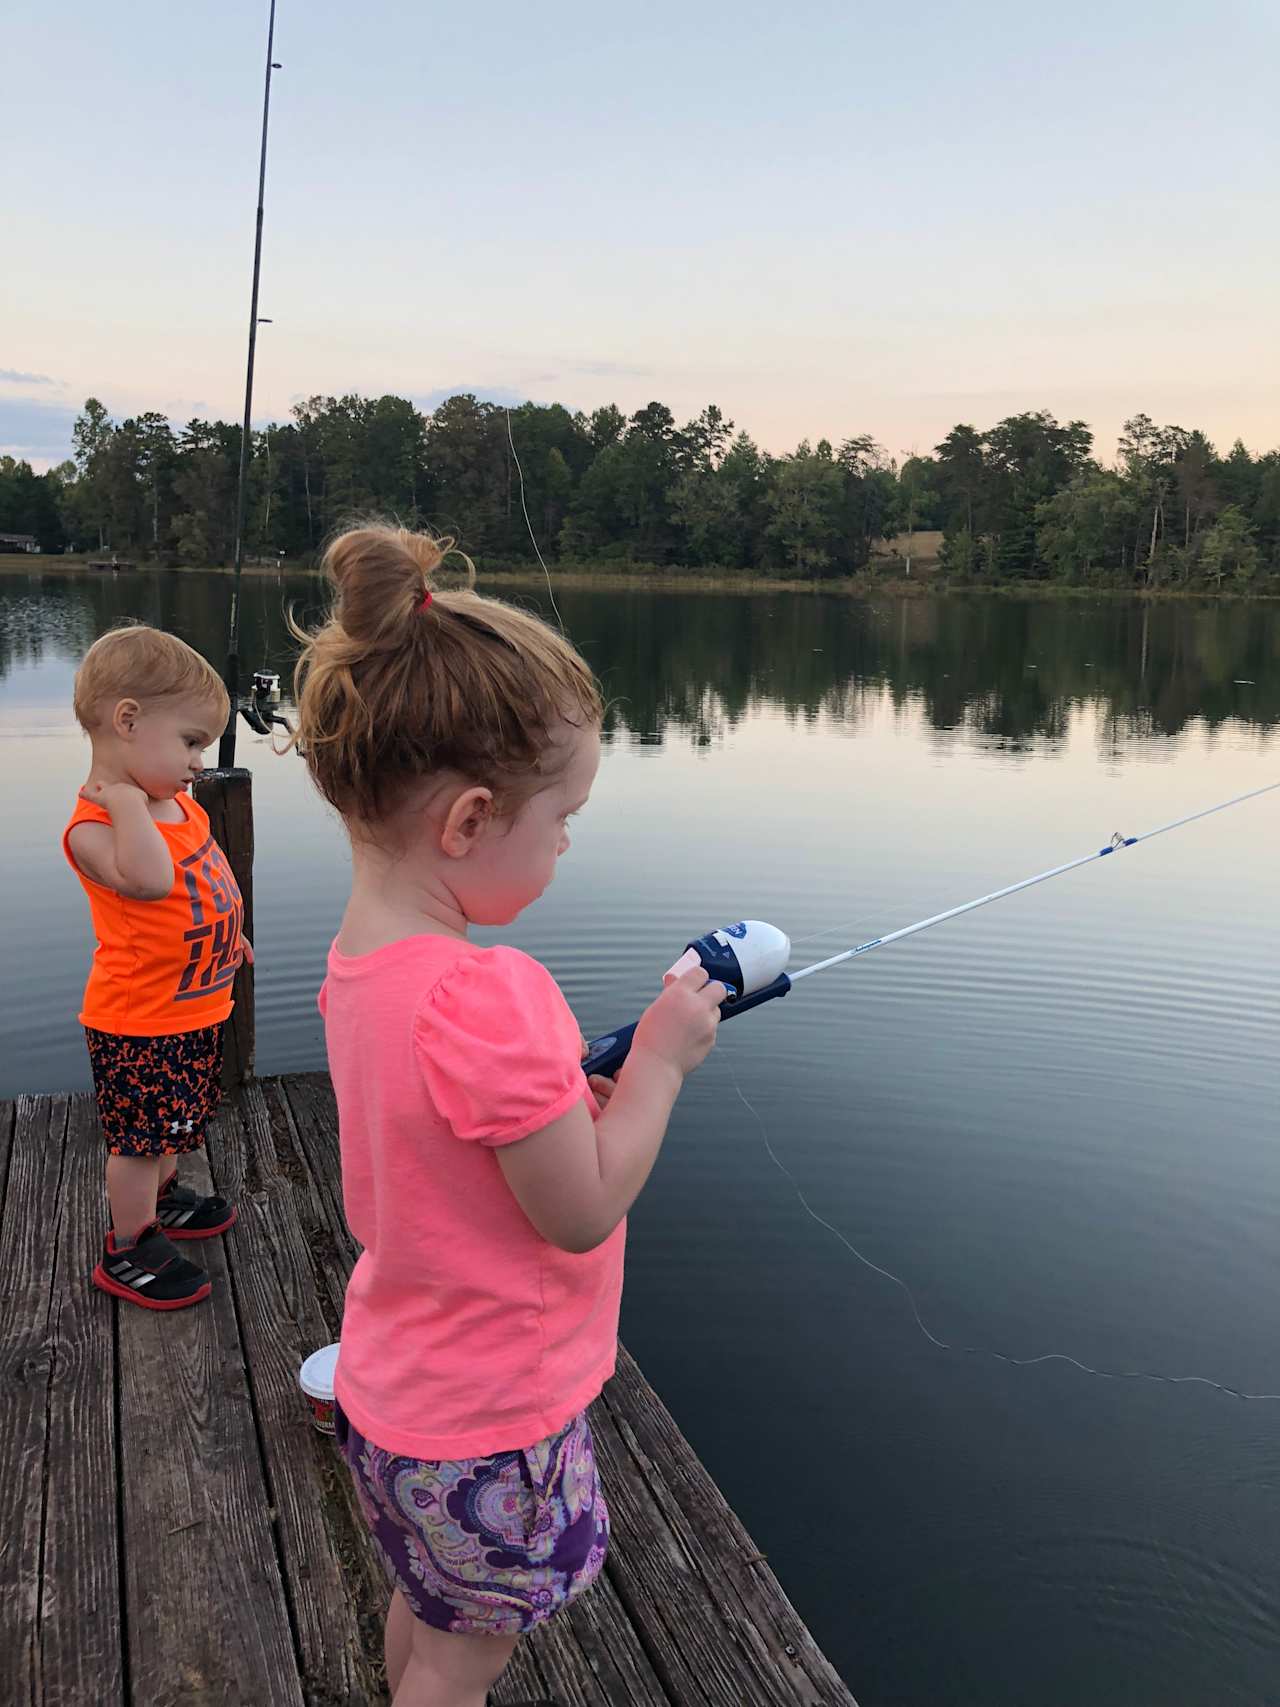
(29, 563)
(655, 579)
(697, 581)
(851, 586)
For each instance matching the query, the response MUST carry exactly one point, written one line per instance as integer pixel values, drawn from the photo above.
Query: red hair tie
(425, 600)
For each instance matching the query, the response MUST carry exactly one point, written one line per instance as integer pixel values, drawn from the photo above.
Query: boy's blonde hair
(145, 664)
(406, 680)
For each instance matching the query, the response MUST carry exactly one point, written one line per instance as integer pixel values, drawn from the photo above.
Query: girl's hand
(680, 1027)
(602, 1089)
(110, 795)
(246, 951)
(598, 1083)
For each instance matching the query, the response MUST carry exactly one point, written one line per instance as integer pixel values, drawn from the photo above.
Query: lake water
(1055, 1119)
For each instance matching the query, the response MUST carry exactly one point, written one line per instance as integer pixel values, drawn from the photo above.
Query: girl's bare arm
(577, 1178)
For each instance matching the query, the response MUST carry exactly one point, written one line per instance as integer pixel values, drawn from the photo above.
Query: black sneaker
(184, 1214)
(151, 1273)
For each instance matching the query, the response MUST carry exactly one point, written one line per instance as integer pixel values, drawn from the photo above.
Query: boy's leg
(451, 1671)
(140, 1264)
(132, 1081)
(184, 1212)
(133, 1183)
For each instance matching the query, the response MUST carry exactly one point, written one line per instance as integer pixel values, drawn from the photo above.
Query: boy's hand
(128, 854)
(112, 795)
(246, 951)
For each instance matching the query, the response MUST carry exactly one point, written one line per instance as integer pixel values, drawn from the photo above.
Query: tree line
(1024, 500)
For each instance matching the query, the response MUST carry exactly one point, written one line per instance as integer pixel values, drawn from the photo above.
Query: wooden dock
(173, 1531)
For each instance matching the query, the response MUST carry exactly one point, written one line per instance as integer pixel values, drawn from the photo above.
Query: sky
(827, 218)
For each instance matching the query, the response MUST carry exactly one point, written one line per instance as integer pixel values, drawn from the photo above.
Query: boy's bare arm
(129, 854)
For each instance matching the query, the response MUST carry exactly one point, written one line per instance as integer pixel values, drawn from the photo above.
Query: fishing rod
(227, 743)
(748, 958)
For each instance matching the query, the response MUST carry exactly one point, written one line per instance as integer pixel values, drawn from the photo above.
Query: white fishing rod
(748, 958)
(1113, 846)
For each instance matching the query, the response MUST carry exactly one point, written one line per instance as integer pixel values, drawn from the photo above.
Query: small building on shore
(18, 542)
(922, 550)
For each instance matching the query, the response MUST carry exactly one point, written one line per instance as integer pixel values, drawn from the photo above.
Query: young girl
(486, 1180)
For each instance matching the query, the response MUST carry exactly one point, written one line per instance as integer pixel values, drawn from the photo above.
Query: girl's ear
(466, 822)
(124, 719)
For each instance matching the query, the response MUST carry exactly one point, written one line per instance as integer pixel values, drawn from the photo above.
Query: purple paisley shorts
(484, 1546)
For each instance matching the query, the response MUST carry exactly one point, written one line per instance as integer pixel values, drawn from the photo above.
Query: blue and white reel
(747, 958)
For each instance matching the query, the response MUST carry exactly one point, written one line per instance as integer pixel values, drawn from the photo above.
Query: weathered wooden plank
(227, 796)
(27, 1251)
(664, 1594)
(316, 1172)
(81, 1634)
(777, 1659)
(332, 1578)
(591, 1655)
(207, 1620)
(521, 1681)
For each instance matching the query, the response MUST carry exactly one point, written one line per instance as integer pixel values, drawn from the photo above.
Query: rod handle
(606, 1054)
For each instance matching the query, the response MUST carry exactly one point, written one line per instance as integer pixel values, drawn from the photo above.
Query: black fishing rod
(231, 675)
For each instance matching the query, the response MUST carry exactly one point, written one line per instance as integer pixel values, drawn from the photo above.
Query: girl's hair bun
(397, 687)
(381, 574)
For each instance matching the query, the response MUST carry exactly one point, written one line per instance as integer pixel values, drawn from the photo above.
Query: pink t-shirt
(464, 1331)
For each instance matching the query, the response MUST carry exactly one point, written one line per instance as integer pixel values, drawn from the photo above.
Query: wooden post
(227, 796)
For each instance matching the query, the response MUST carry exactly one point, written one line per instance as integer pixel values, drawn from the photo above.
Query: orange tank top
(163, 967)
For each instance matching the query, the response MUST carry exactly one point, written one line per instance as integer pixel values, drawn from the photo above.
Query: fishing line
(840, 929)
(532, 536)
(945, 1345)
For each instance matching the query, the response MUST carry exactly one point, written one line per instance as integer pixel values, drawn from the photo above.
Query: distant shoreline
(855, 586)
(36, 563)
(929, 583)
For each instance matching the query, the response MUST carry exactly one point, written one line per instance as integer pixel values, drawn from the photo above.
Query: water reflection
(1009, 670)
